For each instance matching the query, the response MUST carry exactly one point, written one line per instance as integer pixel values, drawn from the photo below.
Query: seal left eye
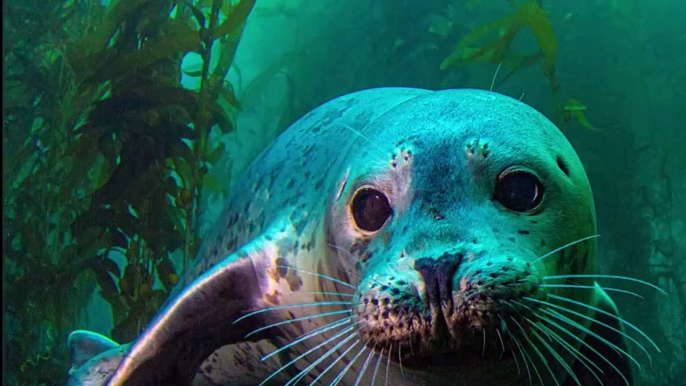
(370, 209)
(518, 190)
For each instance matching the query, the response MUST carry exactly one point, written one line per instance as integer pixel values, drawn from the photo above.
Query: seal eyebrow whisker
(321, 315)
(320, 275)
(569, 321)
(592, 276)
(359, 134)
(311, 334)
(583, 359)
(591, 288)
(619, 319)
(538, 352)
(563, 247)
(563, 329)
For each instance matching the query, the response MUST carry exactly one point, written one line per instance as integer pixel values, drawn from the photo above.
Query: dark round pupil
(370, 209)
(519, 191)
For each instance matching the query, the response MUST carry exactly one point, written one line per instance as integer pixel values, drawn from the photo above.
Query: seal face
(469, 189)
(403, 228)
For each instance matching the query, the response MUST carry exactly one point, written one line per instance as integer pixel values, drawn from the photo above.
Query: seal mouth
(459, 311)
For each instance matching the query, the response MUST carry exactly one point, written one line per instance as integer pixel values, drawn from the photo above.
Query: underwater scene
(360, 192)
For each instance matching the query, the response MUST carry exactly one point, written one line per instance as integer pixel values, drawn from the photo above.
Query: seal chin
(447, 313)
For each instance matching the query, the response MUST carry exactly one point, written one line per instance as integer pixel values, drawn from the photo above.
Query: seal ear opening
(610, 376)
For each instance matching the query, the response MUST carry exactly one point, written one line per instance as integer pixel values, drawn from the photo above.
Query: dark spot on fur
(523, 232)
(512, 239)
(290, 183)
(281, 266)
(543, 243)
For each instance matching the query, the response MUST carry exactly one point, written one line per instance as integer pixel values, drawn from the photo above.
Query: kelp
(499, 36)
(106, 154)
(528, 14)
(577, 110)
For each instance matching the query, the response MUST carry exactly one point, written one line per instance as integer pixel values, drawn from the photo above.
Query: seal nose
(438, 277)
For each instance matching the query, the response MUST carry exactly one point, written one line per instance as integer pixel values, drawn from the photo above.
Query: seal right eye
(370, 209)
(519, 190)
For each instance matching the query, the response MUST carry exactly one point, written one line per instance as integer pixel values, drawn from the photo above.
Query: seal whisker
(538, 352)
(591, 276)
(332, 293)
(524, 357)
(563, 329)
(376, 368)
(359, 134)
(332, 364)
(349, 366)
(495, 76)
(596, 309)
(519, 371)
(553, 335)
(364, 367)
(551, 350)
(309, 368)
(501, 344)
(400, 361)
(564, 318)
(272, 375)
(590, 287)
(319, 275)
(308, 335)
(388, 364)
(569, 321)
(554, 251)
(483, 348)
(583, 359)
(286, 306)
(321, 315)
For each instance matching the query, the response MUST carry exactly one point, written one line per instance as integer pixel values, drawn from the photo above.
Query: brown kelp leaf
(537, 19)
(213, 156)
(210, 182)
(166, 273)
(223, 119)
(235, 19)
(82, 54)
(183, 169)
(575, 109)
(177, 38)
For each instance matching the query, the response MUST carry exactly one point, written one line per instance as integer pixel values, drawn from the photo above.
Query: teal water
(618, 94)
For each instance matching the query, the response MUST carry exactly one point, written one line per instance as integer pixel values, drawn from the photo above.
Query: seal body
(392, 235)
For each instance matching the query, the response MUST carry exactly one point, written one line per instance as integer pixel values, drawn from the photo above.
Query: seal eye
(518, 190)
(370, 209)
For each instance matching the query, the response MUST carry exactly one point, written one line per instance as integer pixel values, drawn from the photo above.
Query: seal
(397, 236)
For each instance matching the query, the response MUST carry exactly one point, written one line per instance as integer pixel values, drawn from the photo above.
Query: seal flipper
(610, 376)
(84, 345)
(199, 319)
